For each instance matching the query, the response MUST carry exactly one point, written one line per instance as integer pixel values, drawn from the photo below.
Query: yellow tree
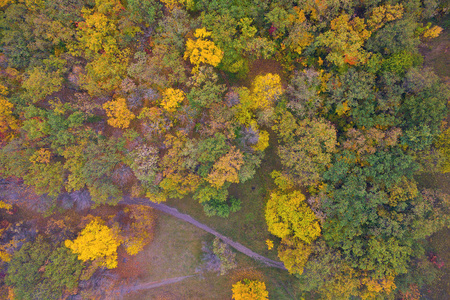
(288, 215)
(294, 254)
(383, 14)
(250, 290)
(172, 99)
(171, 4)
(374, 288)
(8, 123)
(266, 90)
(202, 50)
(96, 242)
(226, 168)
(118, 113)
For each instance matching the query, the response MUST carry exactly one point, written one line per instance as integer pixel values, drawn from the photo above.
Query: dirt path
(149, 285)
(174, 212)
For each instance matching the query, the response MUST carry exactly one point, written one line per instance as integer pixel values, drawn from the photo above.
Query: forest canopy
(185, 99)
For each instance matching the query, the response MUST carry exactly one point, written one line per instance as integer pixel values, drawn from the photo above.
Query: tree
(105, 72)
(226, 168)
(345, 39)
(395, 37)
(204, 88)
(145, 11)
(172, 99)
(423, 108)
(382, 14)
(250, 290)
(266, 89)
(23, 271)
(294, 254)
(287, 215)
(307, 147)
(37, 271)
(443, 147)
(303, 93)
(202, 50)
(226, 256)
(118, 113)
(140, 232)
(8, 123)
(42, 81)
(96, 242)
(61, 274)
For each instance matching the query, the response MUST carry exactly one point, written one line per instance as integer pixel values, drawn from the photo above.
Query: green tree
(37, 271)
(306, 148)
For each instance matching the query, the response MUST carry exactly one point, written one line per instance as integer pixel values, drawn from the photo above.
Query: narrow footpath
(175, 213)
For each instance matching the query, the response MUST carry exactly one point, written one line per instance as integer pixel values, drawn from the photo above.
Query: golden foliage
(172, 99)
(8, 123)
(269, 244)
(403, 191)
(5, 2)
(299, 36)
(343, 285)
(118, 113)
(374, 287)
(432, 32)
(140, 232)
(294, 254)
(97, 32)
(4, 205)
(96, 242)
(250, 290)
(171, 4)
(4, 256)
(226, 168)
(41, 156)
(288, 215)
(266, 89)
(202, 50)
(383, 14)
(345, 40)
(263, 141)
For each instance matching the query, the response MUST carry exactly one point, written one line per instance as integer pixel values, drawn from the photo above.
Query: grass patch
(176, 251)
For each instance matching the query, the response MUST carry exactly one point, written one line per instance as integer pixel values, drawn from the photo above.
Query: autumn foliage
(172, 99)
(96, 242)
(118, 113)
(250, 290)
(202, 50)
